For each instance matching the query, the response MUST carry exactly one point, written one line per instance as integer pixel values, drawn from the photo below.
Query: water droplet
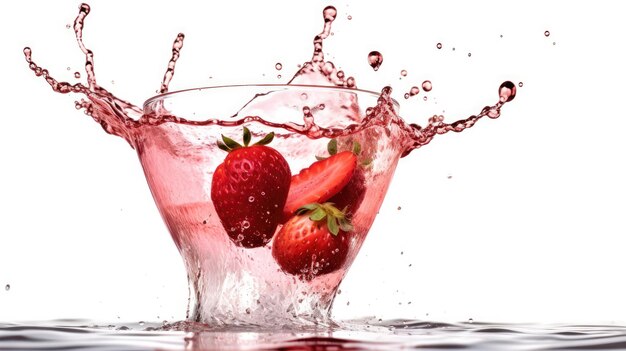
(449, 177)
(7, 287)
(321, 106)
(348, 303)
(453, 49)
(554, 43)
(304, 96)
(469, 54)
(546, 33)
(399, 208)
(403, 73)
(142, 323)
(339, 292)
(439, 46)
(414, 91)
(425, 98)
(501, 36)
(349, 17)
(248, 311)
(520, 84)
(401, 252)
(406, 95)
(375, 59)
(68, 26)
(76, 75)
(471, 320)
(427, 85)
(278, 66)
(330, 12)
(68, 68)
(251, 199)
(279, 76)
(507, 91)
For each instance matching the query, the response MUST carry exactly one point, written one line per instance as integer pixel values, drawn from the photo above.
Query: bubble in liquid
(7, 287)
(245, 224)
(375, 59)
(427, 85)
(278, 66)
(439, 45)
(507, 91)
(521, 84)
(546, 33)
(76, 75)
(330, 12)
(251, 199)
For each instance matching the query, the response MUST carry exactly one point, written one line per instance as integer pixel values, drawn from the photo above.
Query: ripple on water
(362, 334)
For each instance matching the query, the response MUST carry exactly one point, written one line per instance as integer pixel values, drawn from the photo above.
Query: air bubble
(251, 199)
(262, 192)
(245, 224)
(375, 59)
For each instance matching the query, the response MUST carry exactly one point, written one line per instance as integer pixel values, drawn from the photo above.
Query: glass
(235, 285)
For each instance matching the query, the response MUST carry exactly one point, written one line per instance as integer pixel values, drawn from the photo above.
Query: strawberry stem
(227, 144)
(336, 219)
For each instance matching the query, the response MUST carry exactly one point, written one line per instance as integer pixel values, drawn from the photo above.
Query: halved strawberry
(249, 190)
(313, 242)
(320, 181)
(350, 197)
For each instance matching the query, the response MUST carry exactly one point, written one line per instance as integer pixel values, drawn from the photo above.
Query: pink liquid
(230, 284)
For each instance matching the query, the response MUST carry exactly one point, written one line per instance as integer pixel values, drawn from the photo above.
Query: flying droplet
(330, 12)
(76, 75)
(7, 287)
(439, 45)
(427, 85)
(507, 91)
(68, 26)
(375, 59)
(546, 33)
(406, 95)
(403, 73)
(279, 76)
(414, 91)
(520, 84)
(349, 17)
(278, 66)
(399, 208)
(425, 98)
(68, 68)
(304, 96)
(248, 310)
(469, 54)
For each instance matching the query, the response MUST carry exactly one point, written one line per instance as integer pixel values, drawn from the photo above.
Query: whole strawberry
(313, 242)
(249, 190)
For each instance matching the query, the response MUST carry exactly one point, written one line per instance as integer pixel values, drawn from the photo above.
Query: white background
(528, 228)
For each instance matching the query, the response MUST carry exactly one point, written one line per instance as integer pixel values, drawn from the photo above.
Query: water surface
(361, 334)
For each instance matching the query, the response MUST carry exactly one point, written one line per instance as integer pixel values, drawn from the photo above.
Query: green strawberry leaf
(332, 225)
(306, 208)
(246, 136)
(318, 214)
(232, 145)
(356, 148)
(320, 158)
(332, 147)
(345, 225)
(222, 146)
(266, 139)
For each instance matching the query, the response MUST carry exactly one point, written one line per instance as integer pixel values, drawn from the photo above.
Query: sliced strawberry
(313, 242)
(320, 181)
(249, 190)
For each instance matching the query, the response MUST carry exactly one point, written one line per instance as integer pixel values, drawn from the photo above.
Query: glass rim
(162, 96)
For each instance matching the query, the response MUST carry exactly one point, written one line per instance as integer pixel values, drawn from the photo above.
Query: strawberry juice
(268, 191)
